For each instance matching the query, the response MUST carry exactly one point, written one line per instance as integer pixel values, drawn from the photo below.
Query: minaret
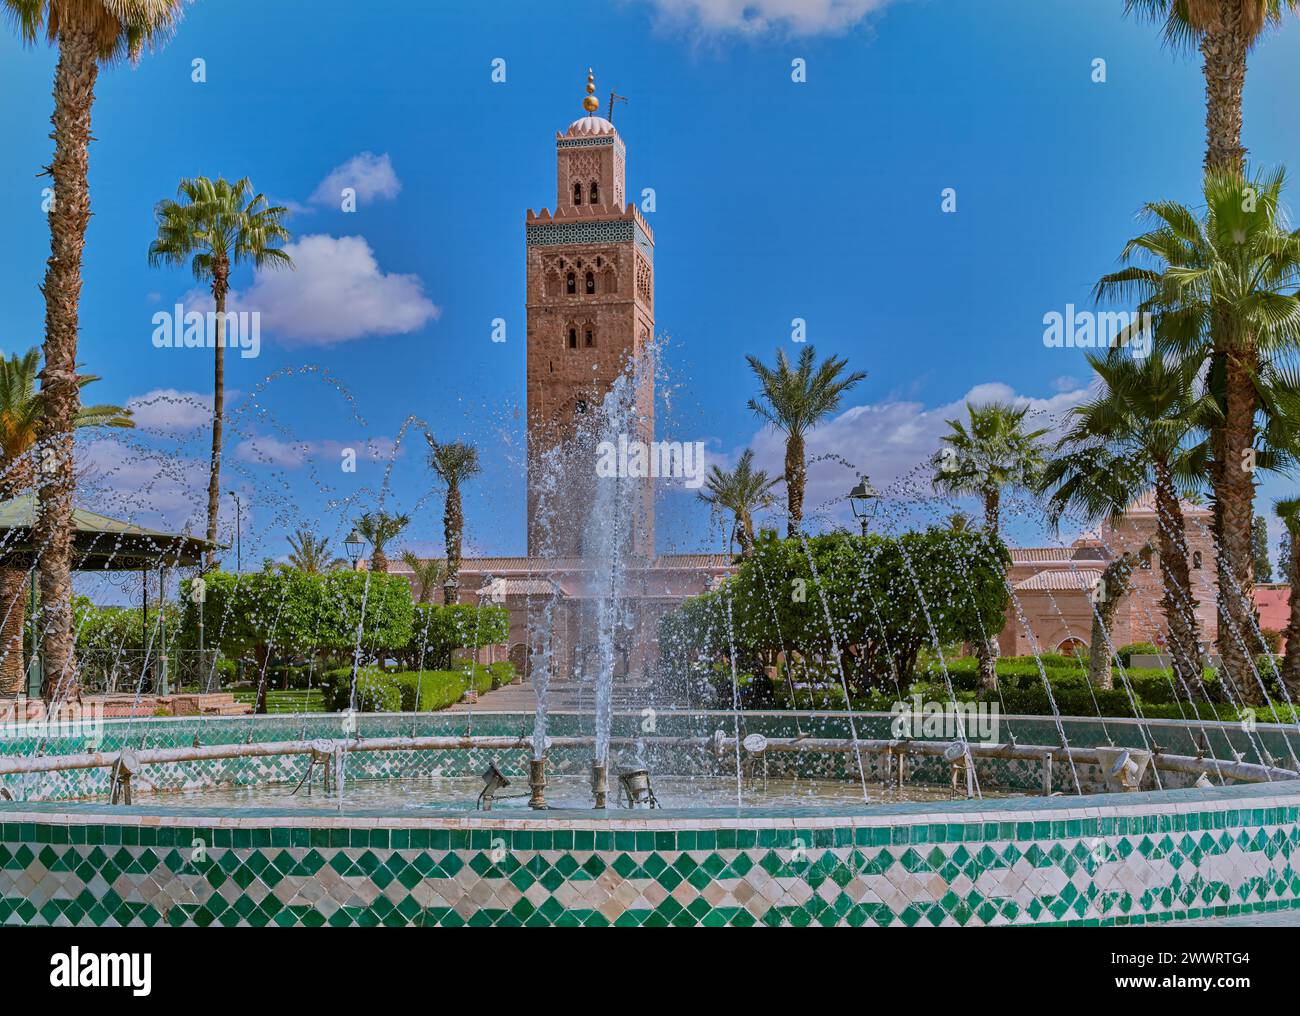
(590, 305)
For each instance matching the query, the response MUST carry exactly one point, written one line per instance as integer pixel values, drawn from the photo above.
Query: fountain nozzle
(492, 782)
(636, 787)
(599, 784)
(537, 783)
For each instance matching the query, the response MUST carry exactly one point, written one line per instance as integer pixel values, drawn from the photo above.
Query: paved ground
(513, 698)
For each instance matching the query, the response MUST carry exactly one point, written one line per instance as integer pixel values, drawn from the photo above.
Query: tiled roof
(1061, 580)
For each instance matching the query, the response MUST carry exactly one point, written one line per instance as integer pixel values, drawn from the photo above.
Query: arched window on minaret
(577, 193)
(595, 193)
(573, 337)
(591, 283)
(1196, 559)
(571, 284)
(589, 337)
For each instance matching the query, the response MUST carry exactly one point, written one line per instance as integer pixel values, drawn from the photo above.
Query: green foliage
(887, 598)
(289, 611)
(411, 691)
(438, 630)
(112, 630)
(1126, 653)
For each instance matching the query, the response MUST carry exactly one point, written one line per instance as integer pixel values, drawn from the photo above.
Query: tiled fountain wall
(1135, 858)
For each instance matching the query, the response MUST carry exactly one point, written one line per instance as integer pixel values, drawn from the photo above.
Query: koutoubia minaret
(590, 302)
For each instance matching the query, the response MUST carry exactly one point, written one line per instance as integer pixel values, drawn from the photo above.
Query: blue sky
(774, 200)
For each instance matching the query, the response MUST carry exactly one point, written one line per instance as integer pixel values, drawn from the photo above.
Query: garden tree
(454, 462)
(290, 612)
(991, 454)
(216, 226)
(1288, 510)
(1259, 550)
(882, 594)
(21, 408)
(794, 399)
(741, 491)
(1224, 285)
(437, 631)
(380, 528)
(88, 33)
(427, 574)
(1138, 431)
(1224, 31)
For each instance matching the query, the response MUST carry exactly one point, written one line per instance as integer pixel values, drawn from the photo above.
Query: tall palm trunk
(1223, 49)
(220, 288)
(986, 649)
(745, 533)
(74, 95)
(796, 476)
(15, 477)
(13, 588)
(452, 528)
(1178, 603)
(1235, 502)
(1291, 660)
(993, 511)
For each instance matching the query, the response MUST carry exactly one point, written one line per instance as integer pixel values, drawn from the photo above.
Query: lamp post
(239, 526)
(867, 497)
(355, 544)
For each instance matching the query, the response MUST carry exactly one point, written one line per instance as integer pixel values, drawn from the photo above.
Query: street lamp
(239, 526)
(865, 496)
(355, 545)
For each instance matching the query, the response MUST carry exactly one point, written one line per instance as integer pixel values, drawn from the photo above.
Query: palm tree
(1224, 31)
(216, 226)
(1139, 431)
(454, 462)
(88, 33)
(310, 553)
(996, 452)
(794, 400)
(1288, 510)
(380, 528)
(1224, 285)
(742, 491)
(21, 407)
(427, 574)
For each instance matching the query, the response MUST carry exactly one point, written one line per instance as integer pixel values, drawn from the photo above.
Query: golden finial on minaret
(591, 103)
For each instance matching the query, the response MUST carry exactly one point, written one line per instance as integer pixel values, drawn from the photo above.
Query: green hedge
(409, 690)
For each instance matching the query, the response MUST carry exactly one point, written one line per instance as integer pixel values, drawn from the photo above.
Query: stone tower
(590, 308)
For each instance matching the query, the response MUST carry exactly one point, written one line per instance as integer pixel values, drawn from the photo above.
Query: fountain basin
(1133, 858)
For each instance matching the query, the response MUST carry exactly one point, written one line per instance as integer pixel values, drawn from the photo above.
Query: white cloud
(146, 487)
(335, 292)
(370, 175)
(889, 440)
(272, 451)
(169, 412)
(758, 17)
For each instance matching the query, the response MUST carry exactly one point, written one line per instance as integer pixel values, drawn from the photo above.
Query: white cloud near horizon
(888, 440)
(335, 292)
(371, 176)
(761, 17)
